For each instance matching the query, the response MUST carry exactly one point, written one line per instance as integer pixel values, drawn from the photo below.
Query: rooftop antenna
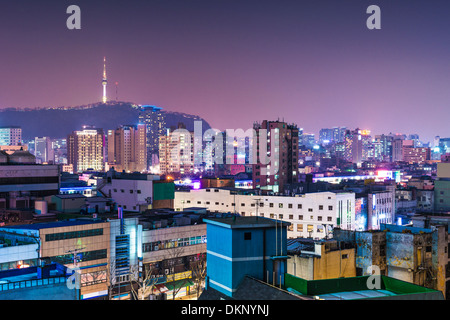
(117, 83)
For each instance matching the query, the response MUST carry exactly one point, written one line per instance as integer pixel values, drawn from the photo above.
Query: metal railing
(31, 283)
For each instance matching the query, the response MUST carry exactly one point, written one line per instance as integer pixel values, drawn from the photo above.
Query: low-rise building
(172, 243)
(38, 283)
(415, 255)
(320, 259)
(83, 244)
(310, 215)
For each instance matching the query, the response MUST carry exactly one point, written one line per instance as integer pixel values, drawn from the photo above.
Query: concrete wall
(302, 267)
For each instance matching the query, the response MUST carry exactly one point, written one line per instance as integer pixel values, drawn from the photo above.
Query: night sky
(313, 63)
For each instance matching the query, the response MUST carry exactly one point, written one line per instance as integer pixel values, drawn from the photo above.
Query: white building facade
(131, 195)
(311, 215)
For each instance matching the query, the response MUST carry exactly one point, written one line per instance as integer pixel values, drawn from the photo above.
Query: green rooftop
(356, 288)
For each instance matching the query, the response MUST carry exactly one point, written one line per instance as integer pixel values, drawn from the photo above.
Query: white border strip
(235, 259)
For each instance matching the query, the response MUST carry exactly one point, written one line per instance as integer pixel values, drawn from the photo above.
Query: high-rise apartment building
(416, 155)
(385, 144)
(10, 136)
(127, 148)
(86, 149)
(176, 152)
(155, 121)
(279, 141)
(332, 135)
(43, 150)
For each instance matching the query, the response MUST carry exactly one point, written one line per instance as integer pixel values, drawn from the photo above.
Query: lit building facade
(86, 150)
(279, 141)
(43, 150)
(155, 121)
(311, 215)
(127, 148)
(10, 136)
(416, 155)
(176, 152)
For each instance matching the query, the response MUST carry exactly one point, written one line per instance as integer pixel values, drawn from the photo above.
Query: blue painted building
(49, 282)
(245, 246)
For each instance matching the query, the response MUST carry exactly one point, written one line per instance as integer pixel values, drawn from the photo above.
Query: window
(207, 202)
(208, 190)
(290, 205)
(330, 208)
(247, 236)
(138, 191)
(319, 218)
(310, 210)
(216, 190)
(280, 205)
(345, 256)
(131, 191)
(299, 227)
(321, 207)
(291, 216)
(188, 201)
(299, 206)
(329, 219)
(217, 203)
(310, 228)
(199, 202)
(242, 204)
(272, 216)
(280, 216)
(271, 205)
(300, 217)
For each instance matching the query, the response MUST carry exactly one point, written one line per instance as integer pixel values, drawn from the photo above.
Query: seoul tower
(104, 81)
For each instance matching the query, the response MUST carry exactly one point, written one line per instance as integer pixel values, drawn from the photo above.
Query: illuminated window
(299, 227)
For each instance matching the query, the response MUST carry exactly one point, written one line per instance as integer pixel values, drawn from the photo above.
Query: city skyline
(316, 65)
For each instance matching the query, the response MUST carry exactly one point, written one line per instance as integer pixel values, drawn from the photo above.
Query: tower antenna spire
(104, 81)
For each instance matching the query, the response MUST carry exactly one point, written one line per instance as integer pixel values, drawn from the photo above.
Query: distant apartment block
(176, 152)
(279, 141)
(127, 148)
(10, 136)
(86, 150)
(155, 122)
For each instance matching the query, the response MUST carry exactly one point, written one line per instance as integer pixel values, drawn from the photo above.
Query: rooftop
(252, 289)
(55, 224)
(246, 222)
(356, 288)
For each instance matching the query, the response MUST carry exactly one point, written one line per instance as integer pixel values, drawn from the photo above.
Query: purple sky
(232, 62)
